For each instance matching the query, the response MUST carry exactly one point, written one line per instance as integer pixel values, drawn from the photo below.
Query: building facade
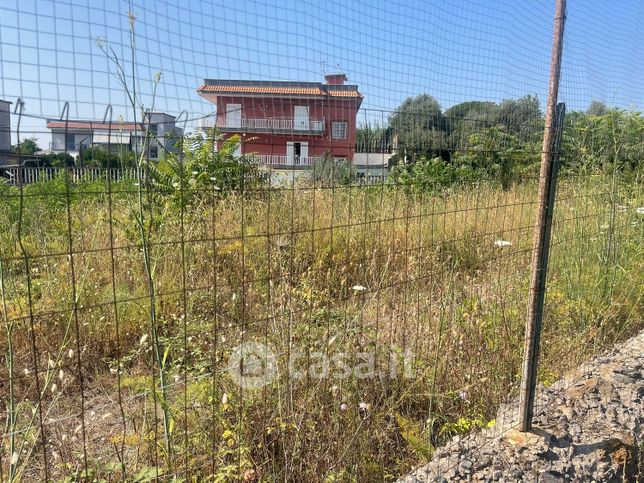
(5, 133)
(286, 124)
(73, 136)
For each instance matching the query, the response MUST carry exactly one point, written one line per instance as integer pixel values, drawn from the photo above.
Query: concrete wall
(371, 160)
(167, 130)
(5, 131)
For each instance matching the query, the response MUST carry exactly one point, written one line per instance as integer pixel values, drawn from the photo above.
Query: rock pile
(589, 426)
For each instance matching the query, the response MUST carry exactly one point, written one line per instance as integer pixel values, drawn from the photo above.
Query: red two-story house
(287, 124)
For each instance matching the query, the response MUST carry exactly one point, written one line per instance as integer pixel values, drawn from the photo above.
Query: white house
(73, 136)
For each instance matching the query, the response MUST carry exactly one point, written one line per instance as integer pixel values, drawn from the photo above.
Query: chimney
(335, 79)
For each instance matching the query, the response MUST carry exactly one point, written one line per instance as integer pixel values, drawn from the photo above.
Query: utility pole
(541, 241)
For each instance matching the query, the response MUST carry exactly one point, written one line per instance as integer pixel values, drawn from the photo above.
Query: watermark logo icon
(252, 365)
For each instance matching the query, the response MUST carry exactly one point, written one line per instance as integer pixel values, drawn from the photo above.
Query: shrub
(330, 171)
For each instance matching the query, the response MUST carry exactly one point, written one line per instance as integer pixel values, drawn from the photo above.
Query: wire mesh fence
(207, 273)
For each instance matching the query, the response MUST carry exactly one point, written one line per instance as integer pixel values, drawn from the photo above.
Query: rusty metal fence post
(541, 242)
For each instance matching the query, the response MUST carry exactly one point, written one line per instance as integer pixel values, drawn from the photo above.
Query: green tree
(57, 160)
(494, 153)
(521, 117)
(465, 110)
(329, 171)
(27, 146)
(373, 139)
(597, 108)
(97, 156)
(613, 140)
(467, 118)
(420, 127)
(208, 163)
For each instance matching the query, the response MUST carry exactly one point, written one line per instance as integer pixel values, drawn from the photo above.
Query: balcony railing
(270, 124)
(17, 175)
(289, 161)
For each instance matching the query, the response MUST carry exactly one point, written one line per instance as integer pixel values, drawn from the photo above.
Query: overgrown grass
(285, 268)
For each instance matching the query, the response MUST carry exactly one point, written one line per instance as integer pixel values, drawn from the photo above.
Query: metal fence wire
(293, 242)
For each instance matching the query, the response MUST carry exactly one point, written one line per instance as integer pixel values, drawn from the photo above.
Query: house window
(154, 152)
(338, 130)
(70, 142)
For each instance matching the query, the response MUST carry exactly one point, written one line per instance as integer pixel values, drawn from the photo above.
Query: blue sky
(453, 50)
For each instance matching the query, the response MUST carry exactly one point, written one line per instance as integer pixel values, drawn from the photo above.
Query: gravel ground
(589, 426)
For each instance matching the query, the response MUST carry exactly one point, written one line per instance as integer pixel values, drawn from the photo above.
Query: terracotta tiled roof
(116, 126)
(344, 93)
(279, 88)
(312, 91)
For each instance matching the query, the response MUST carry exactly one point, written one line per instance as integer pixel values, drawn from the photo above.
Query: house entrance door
(297, 153)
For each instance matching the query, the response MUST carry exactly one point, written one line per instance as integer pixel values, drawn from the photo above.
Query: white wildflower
(70, 353)
(61, 375)
(502, 243)
(224, 399)
(343, 407)
(143, 339)
(54, 387)
(51, 363)
(281, 242)
(358, 288)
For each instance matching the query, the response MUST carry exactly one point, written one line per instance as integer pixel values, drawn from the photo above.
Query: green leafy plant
(330, 171)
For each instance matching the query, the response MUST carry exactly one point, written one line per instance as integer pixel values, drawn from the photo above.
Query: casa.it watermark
(254, 365)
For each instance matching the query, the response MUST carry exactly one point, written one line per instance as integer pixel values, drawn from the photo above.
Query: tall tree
(597, 108)
(521, 117)
(27, 146)
(420, 127)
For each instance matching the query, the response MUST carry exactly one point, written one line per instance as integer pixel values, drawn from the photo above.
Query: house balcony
(290, 162)
(268, 124)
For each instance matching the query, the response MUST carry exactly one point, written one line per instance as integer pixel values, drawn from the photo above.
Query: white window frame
(343, 126)
(234, 116)
(301, 118)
